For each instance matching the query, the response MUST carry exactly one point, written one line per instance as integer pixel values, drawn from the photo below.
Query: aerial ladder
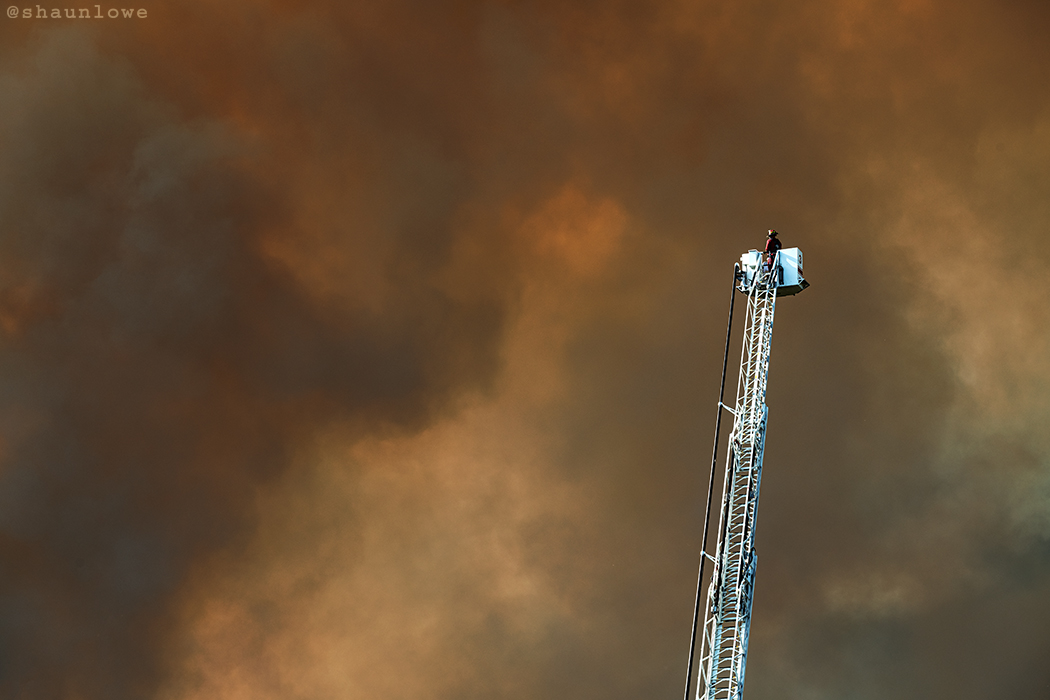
(727, 615)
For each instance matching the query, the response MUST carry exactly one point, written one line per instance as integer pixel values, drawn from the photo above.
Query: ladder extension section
(723, 644)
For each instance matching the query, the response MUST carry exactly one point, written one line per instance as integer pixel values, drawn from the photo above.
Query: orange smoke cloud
(368, 349)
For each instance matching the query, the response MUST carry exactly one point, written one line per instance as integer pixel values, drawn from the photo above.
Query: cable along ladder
(727, 618)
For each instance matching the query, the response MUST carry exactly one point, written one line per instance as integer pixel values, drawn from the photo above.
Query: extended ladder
(723, 644)
(727, 616)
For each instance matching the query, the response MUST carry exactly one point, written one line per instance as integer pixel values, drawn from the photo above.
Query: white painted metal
(788, 270)
(723, 644)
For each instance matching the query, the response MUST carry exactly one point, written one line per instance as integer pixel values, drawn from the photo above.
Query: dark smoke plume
(370, 349)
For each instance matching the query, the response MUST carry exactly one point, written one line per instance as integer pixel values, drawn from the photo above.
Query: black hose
(710, 487)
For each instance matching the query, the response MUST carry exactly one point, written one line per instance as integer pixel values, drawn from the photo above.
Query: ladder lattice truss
(723, 644)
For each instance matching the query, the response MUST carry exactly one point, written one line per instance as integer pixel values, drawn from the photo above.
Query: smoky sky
(372, 349)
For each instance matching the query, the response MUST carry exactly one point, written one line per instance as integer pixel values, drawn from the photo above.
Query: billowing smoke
(371, 350)
(161, 359)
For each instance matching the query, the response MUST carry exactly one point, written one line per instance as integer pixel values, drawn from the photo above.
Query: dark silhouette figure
(772, 246)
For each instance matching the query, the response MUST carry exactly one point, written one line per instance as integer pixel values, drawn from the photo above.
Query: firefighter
(772, 246)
